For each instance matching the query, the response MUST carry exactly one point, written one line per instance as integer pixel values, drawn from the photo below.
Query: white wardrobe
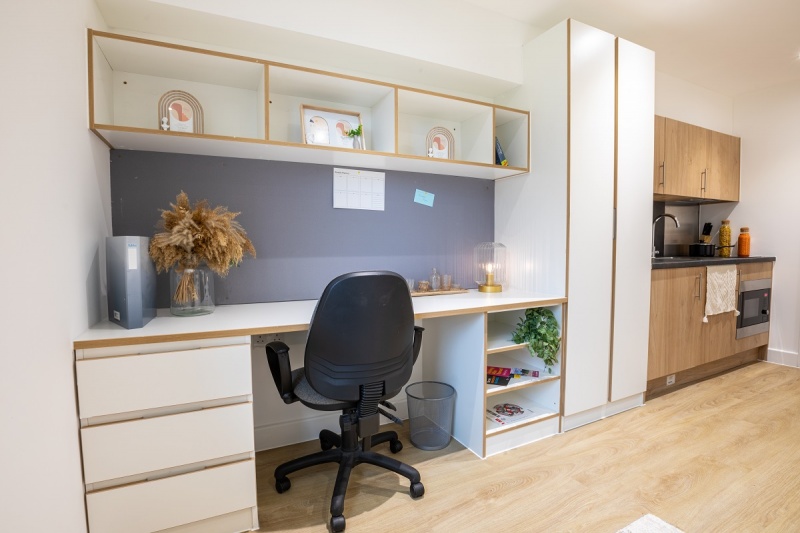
(579, 223)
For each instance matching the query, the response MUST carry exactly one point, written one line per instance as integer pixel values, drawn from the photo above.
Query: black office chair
(361, 347)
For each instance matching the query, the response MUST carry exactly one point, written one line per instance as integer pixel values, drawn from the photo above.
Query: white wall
(684, 101)
(55, 195)
(471, 39)
(767, 122)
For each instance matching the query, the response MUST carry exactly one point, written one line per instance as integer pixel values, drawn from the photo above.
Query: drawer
(135, 382)
(169, 502)
(113, 451)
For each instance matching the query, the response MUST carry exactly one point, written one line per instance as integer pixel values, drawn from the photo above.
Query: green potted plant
(539, 330)
(356, 135)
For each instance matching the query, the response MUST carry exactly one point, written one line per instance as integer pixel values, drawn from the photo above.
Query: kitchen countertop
(685, 262)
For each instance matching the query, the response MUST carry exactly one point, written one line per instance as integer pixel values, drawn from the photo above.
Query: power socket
(670, 380)
(259, 341)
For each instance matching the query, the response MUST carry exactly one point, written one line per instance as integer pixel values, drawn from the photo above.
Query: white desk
(166, 410)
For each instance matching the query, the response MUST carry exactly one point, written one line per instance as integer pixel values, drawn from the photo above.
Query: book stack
(499, 375)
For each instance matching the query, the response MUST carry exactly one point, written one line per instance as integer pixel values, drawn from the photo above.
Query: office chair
(361, 347)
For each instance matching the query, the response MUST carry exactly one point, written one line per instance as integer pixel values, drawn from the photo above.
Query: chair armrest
(417, 341)
(281, 369)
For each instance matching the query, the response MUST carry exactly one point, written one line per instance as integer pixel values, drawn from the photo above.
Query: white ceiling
(727, 46)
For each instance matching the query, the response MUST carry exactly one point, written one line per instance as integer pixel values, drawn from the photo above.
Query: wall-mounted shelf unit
(252, 109)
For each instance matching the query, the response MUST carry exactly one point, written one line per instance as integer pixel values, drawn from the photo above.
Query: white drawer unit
(173, 501)
(167, 437)
(136, 382)
(124, 449)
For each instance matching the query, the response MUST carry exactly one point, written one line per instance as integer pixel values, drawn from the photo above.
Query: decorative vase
(192, 291)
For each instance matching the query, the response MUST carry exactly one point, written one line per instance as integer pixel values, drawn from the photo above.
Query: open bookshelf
(251, 108)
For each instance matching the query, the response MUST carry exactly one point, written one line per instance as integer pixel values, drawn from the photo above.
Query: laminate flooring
(718, 456)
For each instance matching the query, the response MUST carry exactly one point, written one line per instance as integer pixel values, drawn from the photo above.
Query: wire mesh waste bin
(431, 406)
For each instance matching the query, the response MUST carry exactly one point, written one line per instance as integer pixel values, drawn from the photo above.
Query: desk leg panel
(454, 353)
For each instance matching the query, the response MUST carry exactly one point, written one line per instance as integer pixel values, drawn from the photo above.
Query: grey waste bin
(431, 407)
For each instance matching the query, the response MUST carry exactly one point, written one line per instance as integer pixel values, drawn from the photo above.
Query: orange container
(744, 242)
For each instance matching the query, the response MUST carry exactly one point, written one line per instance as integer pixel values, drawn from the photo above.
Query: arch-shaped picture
(440, 143)
(180, 111)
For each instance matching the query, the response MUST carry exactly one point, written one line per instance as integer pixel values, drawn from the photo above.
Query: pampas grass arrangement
(196, 235)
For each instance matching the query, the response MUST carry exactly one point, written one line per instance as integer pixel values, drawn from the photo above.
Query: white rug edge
(649, 524)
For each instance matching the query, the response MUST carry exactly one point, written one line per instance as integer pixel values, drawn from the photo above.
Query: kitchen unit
(682, 347)
(694, 163)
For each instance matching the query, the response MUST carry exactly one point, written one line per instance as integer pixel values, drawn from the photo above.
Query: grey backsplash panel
(301, 241)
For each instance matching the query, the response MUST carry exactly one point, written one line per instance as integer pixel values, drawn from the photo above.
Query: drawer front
(169, 502)
(113, 451)
(131, 383)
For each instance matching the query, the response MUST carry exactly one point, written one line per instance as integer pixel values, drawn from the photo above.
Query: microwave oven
(753, 307)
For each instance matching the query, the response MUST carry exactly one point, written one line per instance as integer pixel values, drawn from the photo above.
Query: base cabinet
(679, 339)
(162, 452)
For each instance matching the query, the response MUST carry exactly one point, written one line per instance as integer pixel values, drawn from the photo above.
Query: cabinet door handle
(699, 285)
(664, 175)
(704, 174)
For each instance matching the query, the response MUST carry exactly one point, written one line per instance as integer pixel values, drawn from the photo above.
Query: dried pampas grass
(196, 235)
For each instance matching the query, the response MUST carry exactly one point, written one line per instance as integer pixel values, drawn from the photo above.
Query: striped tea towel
(720, 290)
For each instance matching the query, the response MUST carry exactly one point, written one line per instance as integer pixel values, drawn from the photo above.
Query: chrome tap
(655, 220)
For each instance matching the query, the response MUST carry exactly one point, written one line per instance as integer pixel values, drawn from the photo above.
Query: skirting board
(269, 436)
(783, 358)
(598, 413)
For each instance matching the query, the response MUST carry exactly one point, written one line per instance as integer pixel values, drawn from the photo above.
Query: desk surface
(281, 317)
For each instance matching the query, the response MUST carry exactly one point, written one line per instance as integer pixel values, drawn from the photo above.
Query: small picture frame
(180, 111)
(330, 127)
(440, 143)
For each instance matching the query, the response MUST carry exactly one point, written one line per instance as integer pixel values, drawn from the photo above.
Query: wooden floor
(719, 456)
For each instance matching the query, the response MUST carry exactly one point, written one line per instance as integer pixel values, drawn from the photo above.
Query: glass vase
(192, 291)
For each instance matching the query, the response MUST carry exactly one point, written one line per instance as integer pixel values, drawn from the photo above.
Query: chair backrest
(362, 332)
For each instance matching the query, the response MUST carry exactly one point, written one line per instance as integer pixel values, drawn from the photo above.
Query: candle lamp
(490, 261)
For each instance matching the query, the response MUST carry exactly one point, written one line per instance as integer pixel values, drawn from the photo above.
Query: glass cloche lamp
(490, 263)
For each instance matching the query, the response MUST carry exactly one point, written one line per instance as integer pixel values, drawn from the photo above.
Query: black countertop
(685, 262)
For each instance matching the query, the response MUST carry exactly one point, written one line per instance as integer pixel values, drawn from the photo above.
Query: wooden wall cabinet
(679, 339)
(694, 163)
(251, 109)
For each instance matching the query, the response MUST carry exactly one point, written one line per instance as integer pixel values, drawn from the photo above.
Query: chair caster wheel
(337, 523)
(325, 444)
(395, 446)
(416, 490)
(282, 485)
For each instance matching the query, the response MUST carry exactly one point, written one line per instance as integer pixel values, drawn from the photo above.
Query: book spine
(499, 156)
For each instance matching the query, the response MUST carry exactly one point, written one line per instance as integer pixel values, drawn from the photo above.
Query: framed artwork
(440, 143)
(330, 127)
(180, 111)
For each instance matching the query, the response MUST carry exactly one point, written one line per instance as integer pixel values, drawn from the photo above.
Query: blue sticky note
(424, 198)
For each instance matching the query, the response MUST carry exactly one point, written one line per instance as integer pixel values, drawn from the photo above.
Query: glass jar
(725, 239)
(191, 291)
(744, 242)
(436, 281)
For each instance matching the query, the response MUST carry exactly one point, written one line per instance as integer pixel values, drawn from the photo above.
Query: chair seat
(311, 398)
